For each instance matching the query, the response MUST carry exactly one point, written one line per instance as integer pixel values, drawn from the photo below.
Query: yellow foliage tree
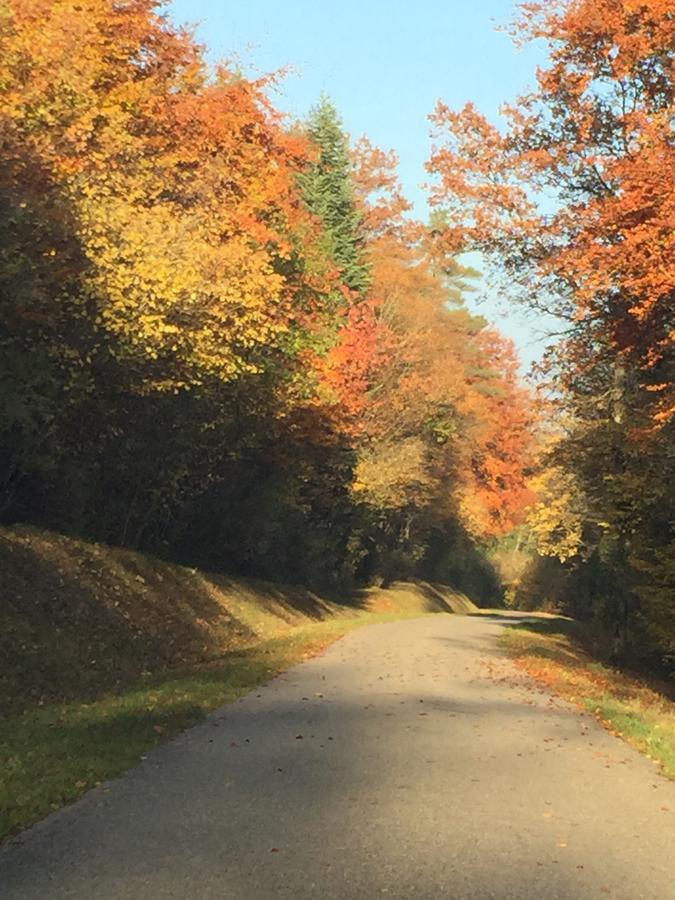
(180, 186)
(556, 519)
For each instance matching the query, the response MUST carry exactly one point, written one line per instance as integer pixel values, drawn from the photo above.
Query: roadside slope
(105, 653)
(80, 618)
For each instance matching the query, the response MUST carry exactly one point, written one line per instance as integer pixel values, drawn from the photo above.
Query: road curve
(410, 761)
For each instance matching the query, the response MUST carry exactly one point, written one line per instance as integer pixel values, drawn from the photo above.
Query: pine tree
(328, 192)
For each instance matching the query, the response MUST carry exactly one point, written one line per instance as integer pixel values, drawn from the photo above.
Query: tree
(223, 340)
(152, 243)
(328, 191)
(575, 202)
(445, 428)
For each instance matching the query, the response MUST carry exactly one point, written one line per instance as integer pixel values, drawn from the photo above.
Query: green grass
(556, 652)
(51, 753)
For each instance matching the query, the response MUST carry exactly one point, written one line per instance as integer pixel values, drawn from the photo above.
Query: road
(410, 761)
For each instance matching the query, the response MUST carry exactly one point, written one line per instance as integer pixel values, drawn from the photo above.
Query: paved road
(411, 761)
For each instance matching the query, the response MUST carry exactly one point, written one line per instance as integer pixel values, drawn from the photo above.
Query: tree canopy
(225, 338)
(574, 201)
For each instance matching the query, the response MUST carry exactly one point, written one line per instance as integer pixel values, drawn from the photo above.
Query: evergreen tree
(328, 192)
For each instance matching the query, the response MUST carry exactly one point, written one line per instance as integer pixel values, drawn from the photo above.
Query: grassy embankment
(105, 652)
(565, 656)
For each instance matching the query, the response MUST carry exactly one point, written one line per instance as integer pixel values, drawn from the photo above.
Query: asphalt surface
(410, 761)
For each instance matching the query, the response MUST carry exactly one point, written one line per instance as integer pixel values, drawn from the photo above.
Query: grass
(554, 651)
(51, 753)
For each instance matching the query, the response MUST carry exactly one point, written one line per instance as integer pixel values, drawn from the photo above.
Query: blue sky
(384, 64)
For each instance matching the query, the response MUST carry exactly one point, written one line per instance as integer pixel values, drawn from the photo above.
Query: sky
(384, 63)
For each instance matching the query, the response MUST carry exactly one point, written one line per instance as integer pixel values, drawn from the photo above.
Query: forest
(227, 341)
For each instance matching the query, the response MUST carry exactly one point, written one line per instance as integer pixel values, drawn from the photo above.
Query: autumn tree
(225, 340)
(575, 202)
(440, 441)
(151, 246)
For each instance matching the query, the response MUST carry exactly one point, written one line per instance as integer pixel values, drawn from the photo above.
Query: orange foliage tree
(444, 423)
(574, 201)
(180, 184)
(576, 195)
